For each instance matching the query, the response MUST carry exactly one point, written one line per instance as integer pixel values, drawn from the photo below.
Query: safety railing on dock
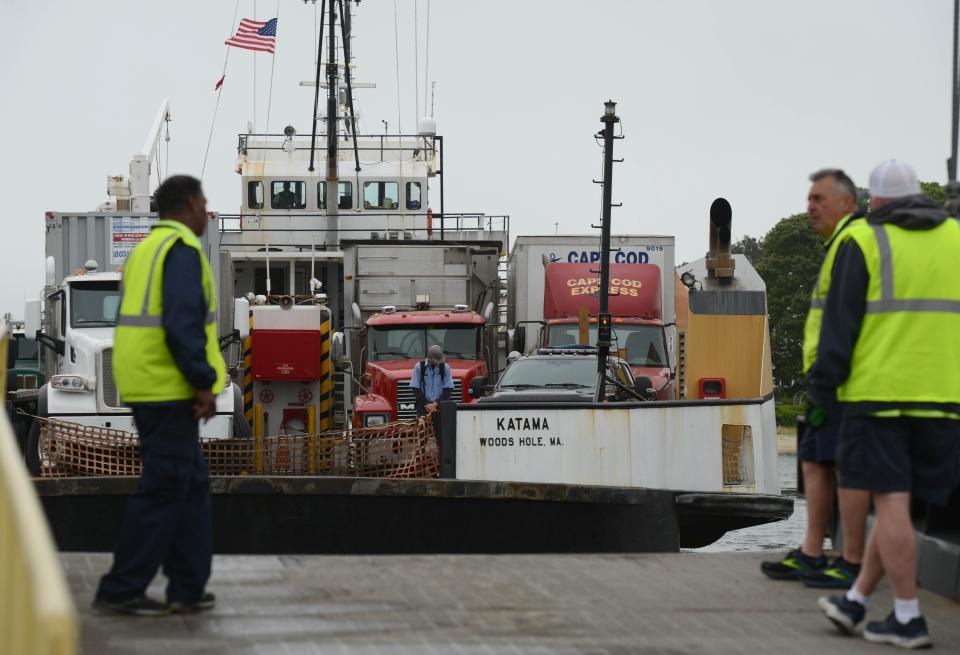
(37, 617)
(406, 449)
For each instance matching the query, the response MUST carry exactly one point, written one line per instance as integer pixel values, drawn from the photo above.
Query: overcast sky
(739, 98)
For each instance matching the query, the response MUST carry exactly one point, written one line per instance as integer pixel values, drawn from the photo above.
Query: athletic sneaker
(844, 613)
(839, 575)
(793, 566)
(912, 634)
(206, 602)
(139, 606)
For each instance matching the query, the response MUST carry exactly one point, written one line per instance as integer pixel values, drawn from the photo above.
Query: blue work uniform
(437, 384)
(167, 521)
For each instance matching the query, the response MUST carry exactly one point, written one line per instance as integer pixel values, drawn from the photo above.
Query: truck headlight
(370, 420)
(69, 382)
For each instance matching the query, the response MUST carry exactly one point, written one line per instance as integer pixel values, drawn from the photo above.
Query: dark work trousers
(167, 519)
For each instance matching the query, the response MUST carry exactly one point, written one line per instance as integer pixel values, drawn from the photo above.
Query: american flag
(255, 35)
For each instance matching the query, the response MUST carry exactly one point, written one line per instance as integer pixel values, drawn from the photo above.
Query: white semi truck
(75, 317)
(74, 323)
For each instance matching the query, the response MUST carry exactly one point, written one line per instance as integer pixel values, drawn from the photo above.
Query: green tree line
(788, 259)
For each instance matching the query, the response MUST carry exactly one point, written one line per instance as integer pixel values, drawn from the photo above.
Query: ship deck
(599, 604)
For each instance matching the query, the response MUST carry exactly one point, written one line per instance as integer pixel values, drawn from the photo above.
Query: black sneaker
(206, 602)
(793, 566)
(839, 575)
(844, 613)
(139, 606)
(912, 634)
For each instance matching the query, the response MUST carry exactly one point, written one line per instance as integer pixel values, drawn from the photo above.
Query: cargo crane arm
(140, 163)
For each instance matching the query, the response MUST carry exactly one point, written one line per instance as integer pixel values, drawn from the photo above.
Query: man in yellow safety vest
(889, 346)
(168, 369)
(832, 208)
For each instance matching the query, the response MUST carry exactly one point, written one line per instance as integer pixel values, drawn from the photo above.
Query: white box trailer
(525, 269)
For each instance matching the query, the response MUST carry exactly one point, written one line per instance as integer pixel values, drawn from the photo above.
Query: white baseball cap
(893, 179)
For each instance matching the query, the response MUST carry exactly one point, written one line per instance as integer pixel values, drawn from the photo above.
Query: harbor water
(781, 535)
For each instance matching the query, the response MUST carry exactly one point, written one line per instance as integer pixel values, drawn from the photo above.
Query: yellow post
(584, 316)
(312, 439)
(37, 614)
(258, 439)
(326, 379)
(248, 375)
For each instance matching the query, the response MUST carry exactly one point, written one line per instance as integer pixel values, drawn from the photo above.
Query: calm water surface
(782, 535)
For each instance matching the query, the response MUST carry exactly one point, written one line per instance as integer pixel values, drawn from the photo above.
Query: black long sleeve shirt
(185, 313)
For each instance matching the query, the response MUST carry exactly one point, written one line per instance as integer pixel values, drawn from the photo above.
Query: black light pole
(953, 188)
(604, 329)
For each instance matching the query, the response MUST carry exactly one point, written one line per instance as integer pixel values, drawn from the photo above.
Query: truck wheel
(33, 449)
(241, 429)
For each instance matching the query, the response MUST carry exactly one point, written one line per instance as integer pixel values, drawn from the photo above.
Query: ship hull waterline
(338, 515)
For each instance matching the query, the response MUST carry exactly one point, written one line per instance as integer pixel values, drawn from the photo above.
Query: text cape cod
(519, 426)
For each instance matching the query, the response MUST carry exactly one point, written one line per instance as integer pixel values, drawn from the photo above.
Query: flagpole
(223, 76)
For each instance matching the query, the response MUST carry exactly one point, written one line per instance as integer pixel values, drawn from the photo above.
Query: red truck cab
(634, 302)
(394, 340)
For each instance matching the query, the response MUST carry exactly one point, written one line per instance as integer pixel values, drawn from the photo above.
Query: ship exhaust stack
(719, 263)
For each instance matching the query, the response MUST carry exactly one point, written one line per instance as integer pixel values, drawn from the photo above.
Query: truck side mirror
(337, 349)
(31, 320)
(241, 317)
(478, 386)
(644, 387)
(520, 339)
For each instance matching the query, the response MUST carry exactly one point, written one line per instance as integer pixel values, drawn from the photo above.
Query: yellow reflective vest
(811, 327)
(907, 350)
(143, 366)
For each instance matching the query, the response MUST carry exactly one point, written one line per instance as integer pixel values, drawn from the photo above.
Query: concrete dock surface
(591, 604)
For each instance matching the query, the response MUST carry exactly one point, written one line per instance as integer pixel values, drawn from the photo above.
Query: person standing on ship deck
(168, 369)
(832, 207)
(894, 308)
(432, 381)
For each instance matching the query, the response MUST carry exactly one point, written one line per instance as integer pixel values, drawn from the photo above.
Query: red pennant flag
(220, 82)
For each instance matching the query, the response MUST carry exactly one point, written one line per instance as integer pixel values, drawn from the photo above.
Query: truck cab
(394, 340)
(81, 315)
(636, 307)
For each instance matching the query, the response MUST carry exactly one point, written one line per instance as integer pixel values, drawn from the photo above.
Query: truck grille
(109, 387)
(406, 401)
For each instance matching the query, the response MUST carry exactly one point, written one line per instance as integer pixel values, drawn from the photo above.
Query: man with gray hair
(832, 208)
(431, 382)
(889, 349)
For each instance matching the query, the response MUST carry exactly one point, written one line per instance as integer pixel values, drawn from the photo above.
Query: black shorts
(920, 455)
(820, 444)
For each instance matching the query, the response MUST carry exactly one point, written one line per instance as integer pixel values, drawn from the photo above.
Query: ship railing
(413, 143)
(38, 614)
(442, 224)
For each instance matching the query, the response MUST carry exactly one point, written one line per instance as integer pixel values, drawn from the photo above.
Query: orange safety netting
(407, 449)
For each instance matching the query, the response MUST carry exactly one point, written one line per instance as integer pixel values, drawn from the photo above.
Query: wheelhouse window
(381, 195)
(414, 201)
(344, 190)
(286, 194)
(255, 195)
(94, 304)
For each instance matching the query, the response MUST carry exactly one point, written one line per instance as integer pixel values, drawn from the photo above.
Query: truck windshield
(560, 372)
(644, 343)
(94, 304)
(457, 341)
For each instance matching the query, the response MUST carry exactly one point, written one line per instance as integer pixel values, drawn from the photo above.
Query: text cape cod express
(521, 432)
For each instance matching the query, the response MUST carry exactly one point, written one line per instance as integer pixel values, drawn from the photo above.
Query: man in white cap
(889, 347)
(432, 381)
